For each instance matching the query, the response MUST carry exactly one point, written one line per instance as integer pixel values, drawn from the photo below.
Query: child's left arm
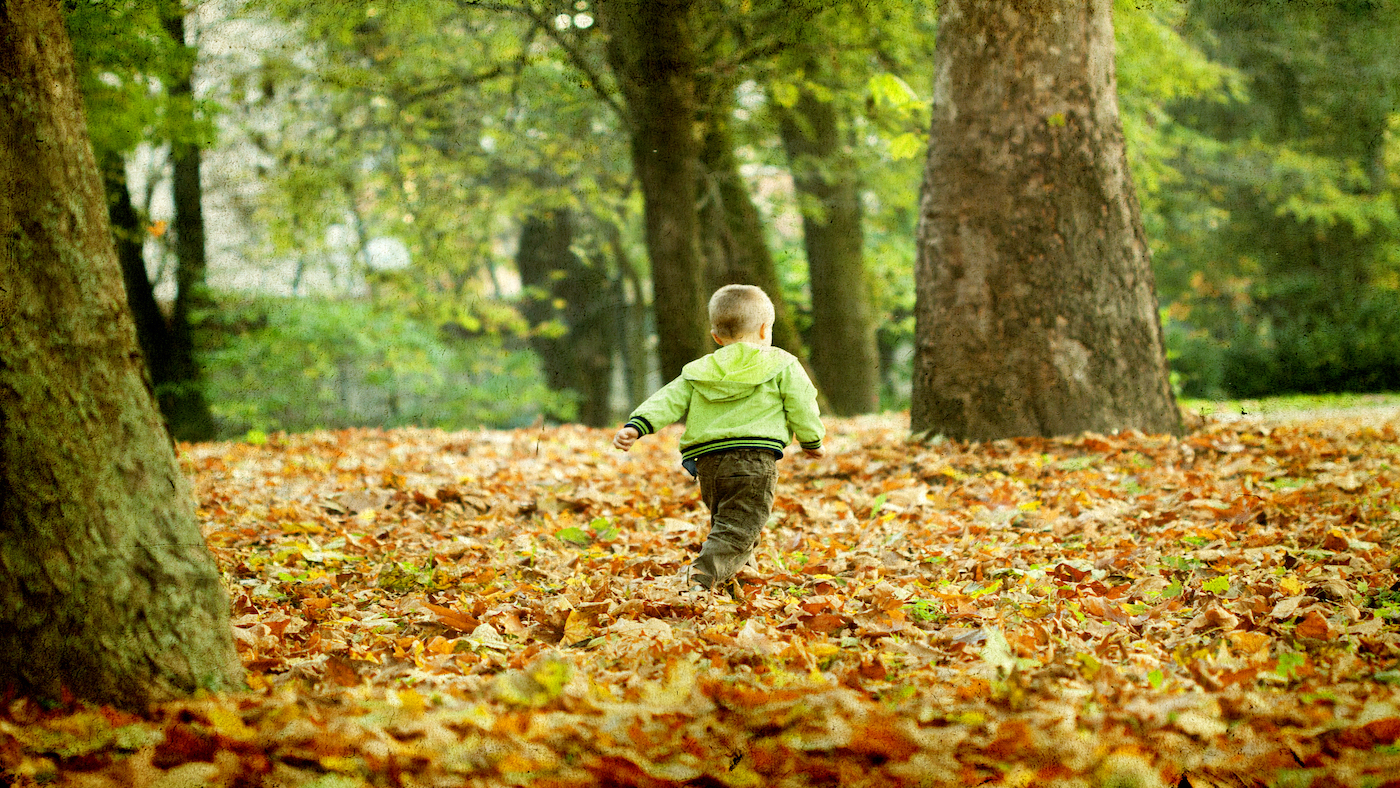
(800, 406)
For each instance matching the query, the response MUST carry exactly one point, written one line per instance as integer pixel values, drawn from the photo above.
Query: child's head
(740, 311)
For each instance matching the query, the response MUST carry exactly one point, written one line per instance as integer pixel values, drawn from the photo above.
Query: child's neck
(752, 339)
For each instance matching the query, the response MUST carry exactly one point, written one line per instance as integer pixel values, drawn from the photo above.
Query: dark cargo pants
(737, 487)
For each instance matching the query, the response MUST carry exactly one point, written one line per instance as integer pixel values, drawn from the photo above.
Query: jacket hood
(734, 371)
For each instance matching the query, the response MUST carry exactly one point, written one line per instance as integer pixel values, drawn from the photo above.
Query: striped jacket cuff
(641, 425)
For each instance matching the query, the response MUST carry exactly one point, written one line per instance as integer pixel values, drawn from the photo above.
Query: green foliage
(125, 61)
(1353, 348)
(874, 62)
(1196, 358)
(308, 363)
(377, 132)
(1262, 138)
(1276, 234)
(1157, 67)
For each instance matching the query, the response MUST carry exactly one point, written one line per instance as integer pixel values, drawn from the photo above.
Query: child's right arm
(625, 437)
(668, 405)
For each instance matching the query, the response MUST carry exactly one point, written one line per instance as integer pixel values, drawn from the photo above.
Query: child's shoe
(732, 587)
(696, 585)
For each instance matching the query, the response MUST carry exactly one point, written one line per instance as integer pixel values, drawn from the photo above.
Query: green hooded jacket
(741, 396)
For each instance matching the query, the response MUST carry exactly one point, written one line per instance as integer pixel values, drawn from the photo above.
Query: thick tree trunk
(732, 237)
(579, 360)
(182, 397)
(106, 586)
(1036, 307)
(652, 55)
(845, 355)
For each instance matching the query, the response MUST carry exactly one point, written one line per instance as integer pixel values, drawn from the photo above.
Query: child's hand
(625, 437)
(815, 453)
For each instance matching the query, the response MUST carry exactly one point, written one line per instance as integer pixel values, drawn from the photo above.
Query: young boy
(742, 405)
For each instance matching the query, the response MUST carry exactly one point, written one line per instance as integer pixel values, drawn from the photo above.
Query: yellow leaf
(228, 724)
(411, 701)
(578, 627)
(906, 146)
(340, 763)
(515, 762)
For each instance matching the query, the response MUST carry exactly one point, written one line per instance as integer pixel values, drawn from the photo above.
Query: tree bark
(1036, 311)
(845, 355)
(652, 55)
(106, 586)
(182, 396)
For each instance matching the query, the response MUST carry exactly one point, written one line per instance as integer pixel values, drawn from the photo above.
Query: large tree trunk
(845, 355)
(732, 237)
(1036, 309)
(579, 360)
(106, 586)
(182, 397)
(652, 55)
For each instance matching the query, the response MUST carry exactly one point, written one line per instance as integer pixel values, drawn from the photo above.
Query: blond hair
(739, 310)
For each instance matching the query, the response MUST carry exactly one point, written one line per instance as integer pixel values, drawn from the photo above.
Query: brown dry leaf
(1314, 626)
(1287, 608)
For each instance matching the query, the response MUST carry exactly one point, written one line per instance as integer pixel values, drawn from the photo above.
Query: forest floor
(421, 608)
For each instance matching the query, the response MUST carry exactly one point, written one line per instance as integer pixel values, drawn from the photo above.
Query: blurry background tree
(476, 175)
(464, 164)
(1281, 260)
(136, 70)
(835, 88)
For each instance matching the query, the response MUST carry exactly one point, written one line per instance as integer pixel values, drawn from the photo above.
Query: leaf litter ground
(421, 608)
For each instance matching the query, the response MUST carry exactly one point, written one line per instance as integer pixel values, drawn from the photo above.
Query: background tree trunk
(579, 360)
(182, 396)
(1036, 308)
(152, 333)
(732, 237)
(651, 52)
(631, 317)
(845, 356)
(107, 588)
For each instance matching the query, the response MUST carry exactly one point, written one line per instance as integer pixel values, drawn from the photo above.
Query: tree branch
(459, 82)
(574, 55)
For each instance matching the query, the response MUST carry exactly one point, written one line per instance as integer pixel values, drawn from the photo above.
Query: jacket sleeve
(668, 405)
(800, 406)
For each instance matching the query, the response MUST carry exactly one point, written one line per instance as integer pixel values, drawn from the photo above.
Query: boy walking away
(742, 405)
